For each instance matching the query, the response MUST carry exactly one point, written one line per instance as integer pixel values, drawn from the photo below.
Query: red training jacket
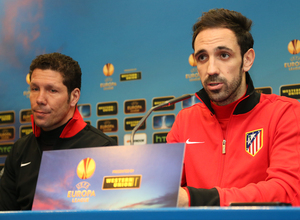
(258, 160)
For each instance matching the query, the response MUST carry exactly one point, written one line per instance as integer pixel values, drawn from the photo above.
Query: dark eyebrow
(32, 84)
(218, 48)
(198, 52)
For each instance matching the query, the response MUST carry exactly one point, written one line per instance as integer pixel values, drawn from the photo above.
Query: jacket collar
(246, 104)
(73, 127)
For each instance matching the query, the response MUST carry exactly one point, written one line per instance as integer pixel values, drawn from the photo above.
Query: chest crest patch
(254, 141)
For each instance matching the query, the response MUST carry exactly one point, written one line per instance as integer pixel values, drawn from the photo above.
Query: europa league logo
(28, 78)
(108, 69)
(192, 60)
(294, 47)
(86, 168)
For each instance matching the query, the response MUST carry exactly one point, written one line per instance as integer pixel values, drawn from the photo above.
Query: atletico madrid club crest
(254, 141)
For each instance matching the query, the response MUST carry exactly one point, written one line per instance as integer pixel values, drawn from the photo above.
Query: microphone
(168, 103)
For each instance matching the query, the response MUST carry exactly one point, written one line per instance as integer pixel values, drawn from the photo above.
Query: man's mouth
(40, 112)
(214, 86)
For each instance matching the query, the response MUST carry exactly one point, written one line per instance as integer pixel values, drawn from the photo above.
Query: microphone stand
(168, 103)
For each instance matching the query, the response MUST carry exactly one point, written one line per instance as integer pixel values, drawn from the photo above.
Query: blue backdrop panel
(151, 37)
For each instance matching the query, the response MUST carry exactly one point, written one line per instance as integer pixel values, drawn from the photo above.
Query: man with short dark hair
(241, 146)
(55, 82)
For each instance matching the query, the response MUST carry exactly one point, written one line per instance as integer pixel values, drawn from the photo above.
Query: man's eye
(201, 57)
(53, 90)
(225, 55)
(34, 89)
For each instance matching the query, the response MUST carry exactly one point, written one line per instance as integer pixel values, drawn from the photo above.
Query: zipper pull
(224, 147)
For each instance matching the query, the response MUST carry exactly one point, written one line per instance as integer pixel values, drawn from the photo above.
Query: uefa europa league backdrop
(134, 54)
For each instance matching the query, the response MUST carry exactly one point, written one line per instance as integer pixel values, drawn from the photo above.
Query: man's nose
(212, 67)
(41, 98)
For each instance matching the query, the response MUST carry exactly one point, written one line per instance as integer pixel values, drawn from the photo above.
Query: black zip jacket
(18, 183)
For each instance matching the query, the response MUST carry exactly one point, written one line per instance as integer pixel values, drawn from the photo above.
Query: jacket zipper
(224, 147)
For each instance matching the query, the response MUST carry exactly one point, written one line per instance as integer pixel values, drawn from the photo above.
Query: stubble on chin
(217, 96)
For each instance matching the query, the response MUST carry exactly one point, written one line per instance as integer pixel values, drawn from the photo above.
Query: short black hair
(224, 18)
(65, 65)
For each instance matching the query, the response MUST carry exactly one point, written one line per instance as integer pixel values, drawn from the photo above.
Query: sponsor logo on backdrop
(254, 141)
(108, 125)
(160, 100)
(5, 148)
(24, 130)
(192, 60)
(138, 139)
(107, 108)
(130, 123)
(163, 121)
(7, 133)
(85, 110)
(85, 170)
(130, 76)
(108, 85)
(25, 116)
(108, 70)
(292, 91)
(193, 76)
(135, 106)
(293, 48)
(27, 93)
(28, 79)
(160, 137)
(7, 117)
(265, 90)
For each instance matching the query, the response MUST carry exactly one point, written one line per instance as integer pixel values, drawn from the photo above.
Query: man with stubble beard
(241, 146)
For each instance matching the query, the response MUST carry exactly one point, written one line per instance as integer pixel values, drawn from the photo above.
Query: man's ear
(249, 57)
(74, 97)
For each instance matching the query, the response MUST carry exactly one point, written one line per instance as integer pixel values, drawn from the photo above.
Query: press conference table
(232, 213)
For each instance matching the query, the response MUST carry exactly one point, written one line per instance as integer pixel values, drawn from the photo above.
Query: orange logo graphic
(86, 168)
(192, 60)
(28, 79)
(294, 47)
(108, 69)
